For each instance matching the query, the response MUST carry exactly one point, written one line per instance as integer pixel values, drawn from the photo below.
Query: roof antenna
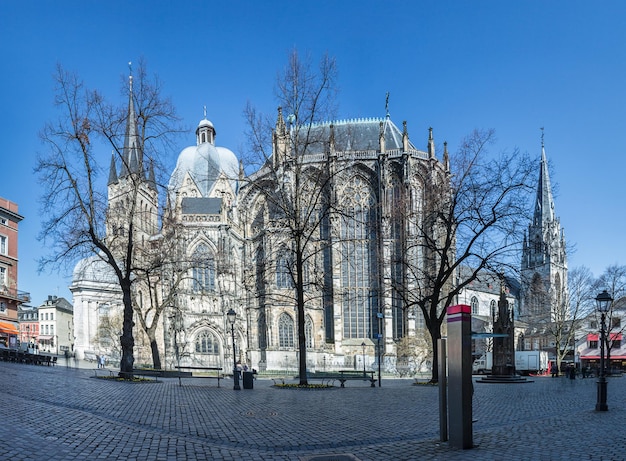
(205, 111)
(541, 137)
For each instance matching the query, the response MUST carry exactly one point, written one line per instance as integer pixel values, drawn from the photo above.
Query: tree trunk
(156, 358)
(435, 334)
(127, 340)
(301, 321)
(302, 347)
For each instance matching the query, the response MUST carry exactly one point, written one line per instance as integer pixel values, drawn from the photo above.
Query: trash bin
(247, 380)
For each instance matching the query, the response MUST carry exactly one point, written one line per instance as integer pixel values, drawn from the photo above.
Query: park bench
(204, 372)
(147, 372)
(344, 375)
(97, 371)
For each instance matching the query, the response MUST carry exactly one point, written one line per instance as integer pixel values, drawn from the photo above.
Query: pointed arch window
(474, 304)
(396, 208)
(285, 331)
(308, 332)
(204, 269)
(283, 273)
(358, 263)
(206, 343)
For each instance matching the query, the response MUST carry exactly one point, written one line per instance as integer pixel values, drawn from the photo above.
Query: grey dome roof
(204, 163)
(93, 269)
(204, 122)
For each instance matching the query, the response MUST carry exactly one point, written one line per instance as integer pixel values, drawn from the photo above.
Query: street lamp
(363, 346)
(232, 315)
(603, 304)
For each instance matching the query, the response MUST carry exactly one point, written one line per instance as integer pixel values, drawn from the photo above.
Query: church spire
(152, 176)
(544, 206)
(132, 156)
(112, 172)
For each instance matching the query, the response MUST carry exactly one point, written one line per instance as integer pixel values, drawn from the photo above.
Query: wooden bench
(203, 370)
(102, 370)
(344, 375)
(149, 372)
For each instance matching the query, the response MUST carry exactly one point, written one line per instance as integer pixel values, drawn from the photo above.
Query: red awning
(597, 357)
(8, 328)
(612, 337)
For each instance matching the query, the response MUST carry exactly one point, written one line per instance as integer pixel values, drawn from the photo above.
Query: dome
(93, 269)
(204, 163)
(205, 123)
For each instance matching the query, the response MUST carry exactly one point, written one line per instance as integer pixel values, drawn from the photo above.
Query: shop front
(9, 332)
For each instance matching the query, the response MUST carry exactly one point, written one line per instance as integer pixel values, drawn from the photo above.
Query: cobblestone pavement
(59, 413)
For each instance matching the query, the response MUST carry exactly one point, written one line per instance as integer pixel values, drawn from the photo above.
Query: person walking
(554, 369)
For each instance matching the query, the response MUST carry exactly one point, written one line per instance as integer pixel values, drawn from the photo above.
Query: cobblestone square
(59, 413)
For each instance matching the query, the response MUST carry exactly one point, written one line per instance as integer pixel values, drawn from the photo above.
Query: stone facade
(232, 251)
(232, 245)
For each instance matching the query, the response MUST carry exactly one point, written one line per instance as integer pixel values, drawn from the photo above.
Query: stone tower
(132, 194)
(544, 257)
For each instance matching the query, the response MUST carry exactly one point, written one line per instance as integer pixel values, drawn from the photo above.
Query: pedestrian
(102, 360)
(98, 360)
(554, 369)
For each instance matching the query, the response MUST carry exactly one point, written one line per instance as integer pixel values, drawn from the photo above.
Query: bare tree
(160, 275)
(81, 219)
(569, 305)
(292, 188)
(472, 217)
(413, 353)
(613, 279)
(108, 333)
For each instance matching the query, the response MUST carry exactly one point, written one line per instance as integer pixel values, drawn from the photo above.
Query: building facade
(56, 326)
(28, 317)
(233, 251)
(587, 347)
(236, 246)
(10, 296)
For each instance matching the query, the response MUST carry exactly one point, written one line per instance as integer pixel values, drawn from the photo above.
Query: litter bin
(247, 380)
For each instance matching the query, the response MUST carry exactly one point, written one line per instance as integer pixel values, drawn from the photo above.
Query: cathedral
(233, 250)
(233, 246)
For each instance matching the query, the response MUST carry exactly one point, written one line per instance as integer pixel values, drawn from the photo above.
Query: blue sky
(453, 65)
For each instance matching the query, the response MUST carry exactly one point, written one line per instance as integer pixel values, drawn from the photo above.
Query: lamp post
(603, 304)
(363, 347)
(232, 315)
(379, 335)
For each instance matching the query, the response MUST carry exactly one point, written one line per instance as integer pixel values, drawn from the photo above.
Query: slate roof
(361, 134)
(201, 205)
